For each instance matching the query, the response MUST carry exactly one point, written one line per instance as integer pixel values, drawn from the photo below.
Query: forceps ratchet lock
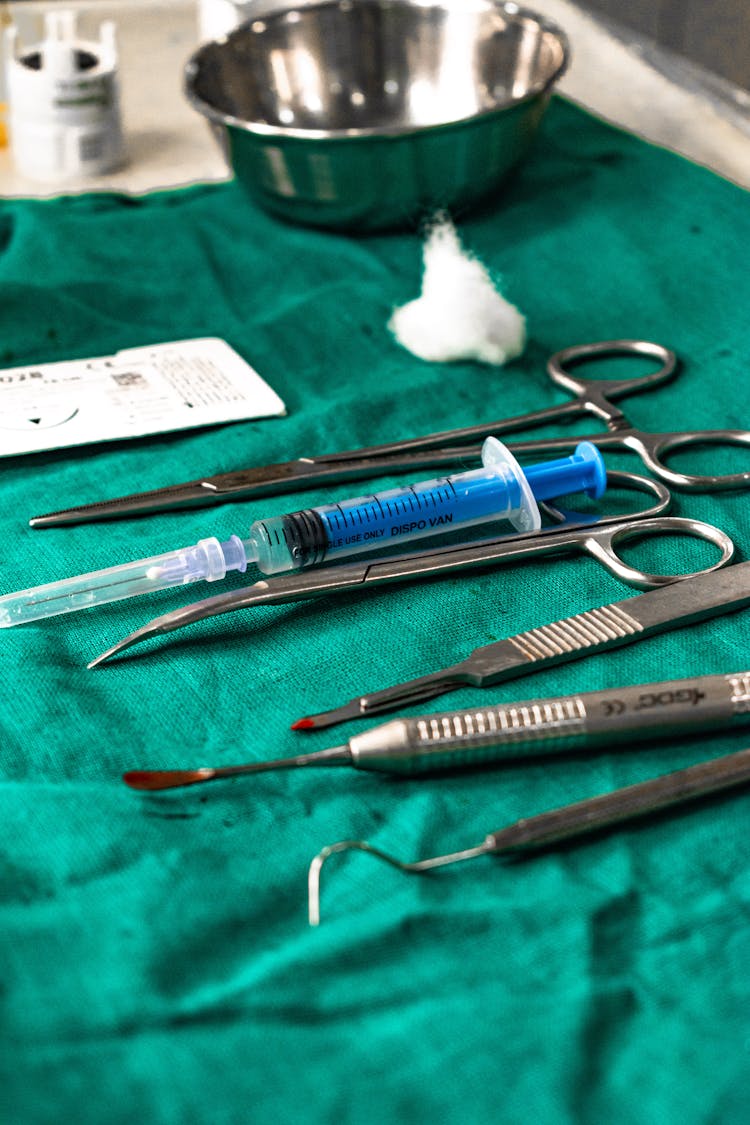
(597, 398)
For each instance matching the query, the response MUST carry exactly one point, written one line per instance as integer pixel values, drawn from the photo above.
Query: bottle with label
(64, 102)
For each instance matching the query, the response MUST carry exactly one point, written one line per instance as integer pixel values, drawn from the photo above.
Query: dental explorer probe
(565, 823)
(461, 739)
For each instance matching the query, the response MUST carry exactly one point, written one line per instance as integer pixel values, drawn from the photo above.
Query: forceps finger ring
(652, 448)
(558, 366)
(602, 545)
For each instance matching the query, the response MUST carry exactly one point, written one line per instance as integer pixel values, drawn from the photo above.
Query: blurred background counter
(621, 74)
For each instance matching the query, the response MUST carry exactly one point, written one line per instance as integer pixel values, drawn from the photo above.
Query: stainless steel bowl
(365, 114)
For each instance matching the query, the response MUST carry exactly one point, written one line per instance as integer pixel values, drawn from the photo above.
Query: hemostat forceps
(595, 536)
(581, 819)
(594, 397)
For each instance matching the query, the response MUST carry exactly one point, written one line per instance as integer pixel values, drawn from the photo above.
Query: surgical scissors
(597, 536)
(593, 397)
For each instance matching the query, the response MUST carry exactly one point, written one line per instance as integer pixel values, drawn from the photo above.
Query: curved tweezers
(597, 539)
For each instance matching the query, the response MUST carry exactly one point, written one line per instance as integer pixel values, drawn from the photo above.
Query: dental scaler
(500, 490)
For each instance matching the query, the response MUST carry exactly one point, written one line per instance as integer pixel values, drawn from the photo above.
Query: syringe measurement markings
(267, 533)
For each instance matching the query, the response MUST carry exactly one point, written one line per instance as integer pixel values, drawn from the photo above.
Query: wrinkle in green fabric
(158, 966)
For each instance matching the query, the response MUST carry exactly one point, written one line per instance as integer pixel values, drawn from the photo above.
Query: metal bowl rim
(264, 129)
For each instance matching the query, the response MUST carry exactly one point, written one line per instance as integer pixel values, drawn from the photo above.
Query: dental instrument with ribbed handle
(569, 822)
(462, 739)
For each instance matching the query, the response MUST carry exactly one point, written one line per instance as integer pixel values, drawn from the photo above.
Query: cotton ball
(460, 314)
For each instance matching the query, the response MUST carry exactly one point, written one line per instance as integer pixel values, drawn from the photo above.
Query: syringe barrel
(386, 519)
(500, 490)
(295, 541)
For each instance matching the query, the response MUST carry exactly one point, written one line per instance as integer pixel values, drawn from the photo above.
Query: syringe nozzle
(208, 560)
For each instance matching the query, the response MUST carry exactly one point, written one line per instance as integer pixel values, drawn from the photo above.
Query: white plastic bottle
(64, 104)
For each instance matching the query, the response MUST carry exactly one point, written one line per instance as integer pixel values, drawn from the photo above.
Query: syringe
(307, 538)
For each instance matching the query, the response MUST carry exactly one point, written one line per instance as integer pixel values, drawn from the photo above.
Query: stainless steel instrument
(595, 814)
(509, 731)
(596, 630)
(595, 398)
(597, 536)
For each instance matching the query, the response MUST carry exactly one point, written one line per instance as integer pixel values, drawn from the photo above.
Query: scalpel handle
(457, 739)
(619, 623)
(609, 809)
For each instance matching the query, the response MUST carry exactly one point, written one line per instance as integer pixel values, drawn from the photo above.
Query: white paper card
(136, 392)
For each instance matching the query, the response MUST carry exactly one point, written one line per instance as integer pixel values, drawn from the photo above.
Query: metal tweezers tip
(102, 657)
(126, 642)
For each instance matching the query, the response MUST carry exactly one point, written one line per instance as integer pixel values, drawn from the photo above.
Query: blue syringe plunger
(583, 471)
